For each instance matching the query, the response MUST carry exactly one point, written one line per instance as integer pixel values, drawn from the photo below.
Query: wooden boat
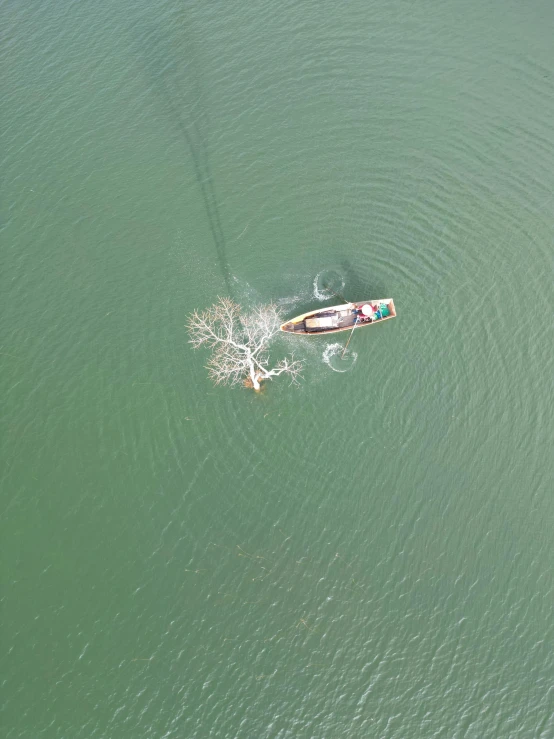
(341, 317)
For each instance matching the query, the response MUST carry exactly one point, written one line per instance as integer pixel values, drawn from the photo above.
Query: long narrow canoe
(341, 317)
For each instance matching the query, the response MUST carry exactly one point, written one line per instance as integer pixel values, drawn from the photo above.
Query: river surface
(368, 554)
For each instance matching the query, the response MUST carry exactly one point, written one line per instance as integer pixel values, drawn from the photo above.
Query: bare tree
(239, 343)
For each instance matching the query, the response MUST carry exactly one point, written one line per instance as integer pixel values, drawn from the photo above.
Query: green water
(367, 555)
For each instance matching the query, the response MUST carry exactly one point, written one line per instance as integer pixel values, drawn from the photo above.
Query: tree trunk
(254, 376)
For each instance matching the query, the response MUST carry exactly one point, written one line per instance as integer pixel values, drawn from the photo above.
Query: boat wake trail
(332, 357)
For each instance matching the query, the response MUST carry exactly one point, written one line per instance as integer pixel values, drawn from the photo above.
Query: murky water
(367, 555)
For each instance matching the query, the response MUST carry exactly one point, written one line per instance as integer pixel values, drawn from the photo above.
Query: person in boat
(366, 314)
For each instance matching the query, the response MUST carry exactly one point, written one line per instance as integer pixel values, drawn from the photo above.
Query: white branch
(239, 342)
(292, 368)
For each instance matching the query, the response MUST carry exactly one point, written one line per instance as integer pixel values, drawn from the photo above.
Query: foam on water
(332, 356)
(289, 301)
(327, 283)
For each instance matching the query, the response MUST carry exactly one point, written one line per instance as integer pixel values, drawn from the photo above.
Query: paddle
(348, 342)
(326, 286)
(355, 322)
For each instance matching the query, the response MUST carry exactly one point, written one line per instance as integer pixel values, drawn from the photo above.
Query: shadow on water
(345, 282)
(358, 287)
(171, 67)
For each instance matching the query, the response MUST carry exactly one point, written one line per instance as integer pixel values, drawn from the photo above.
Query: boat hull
(339, 318)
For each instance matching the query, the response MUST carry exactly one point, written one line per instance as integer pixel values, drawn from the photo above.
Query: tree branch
(239, 342)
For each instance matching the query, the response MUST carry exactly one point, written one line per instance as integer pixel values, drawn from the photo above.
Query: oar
(338, 295)
(348, 342)
(355, 322)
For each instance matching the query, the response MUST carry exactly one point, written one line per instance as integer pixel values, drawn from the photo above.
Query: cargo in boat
(341, 317)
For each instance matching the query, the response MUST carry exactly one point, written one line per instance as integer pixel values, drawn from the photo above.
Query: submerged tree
(239, 343)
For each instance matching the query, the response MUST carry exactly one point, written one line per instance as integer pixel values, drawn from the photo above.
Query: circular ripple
(337, 361)
(328, 283)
